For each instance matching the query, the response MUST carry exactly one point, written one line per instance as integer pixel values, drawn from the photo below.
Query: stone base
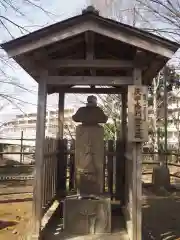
(85, 216)
(161, 177)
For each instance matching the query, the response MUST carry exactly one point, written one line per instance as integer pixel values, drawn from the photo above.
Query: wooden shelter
(91, 51)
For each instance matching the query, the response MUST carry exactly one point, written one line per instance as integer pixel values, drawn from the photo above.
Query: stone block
(161, 177)
(85, 216)
(89, 159)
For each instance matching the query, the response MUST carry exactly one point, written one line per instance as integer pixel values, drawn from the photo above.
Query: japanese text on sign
(137, 114)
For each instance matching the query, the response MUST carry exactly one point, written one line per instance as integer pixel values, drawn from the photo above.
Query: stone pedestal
(85, 216)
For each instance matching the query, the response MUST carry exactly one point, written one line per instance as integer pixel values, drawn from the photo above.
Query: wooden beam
(88, 80)
(89, 63)
(117, 90)
(39, 157)
(156, 64)
(89, 39)
(64, 45)
(127, 36)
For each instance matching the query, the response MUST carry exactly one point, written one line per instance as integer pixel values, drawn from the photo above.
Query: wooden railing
(59, 168)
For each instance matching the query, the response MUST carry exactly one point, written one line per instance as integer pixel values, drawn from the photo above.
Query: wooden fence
(59, 168)
(49, 172)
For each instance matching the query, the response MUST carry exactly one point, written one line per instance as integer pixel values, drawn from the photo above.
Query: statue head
(91, 113)
(91, 101)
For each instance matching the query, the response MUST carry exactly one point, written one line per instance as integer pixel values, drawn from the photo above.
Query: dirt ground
(161, 213)
(15, 210)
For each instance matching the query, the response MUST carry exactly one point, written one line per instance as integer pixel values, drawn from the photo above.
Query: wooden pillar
(136, 177)
(120, 149)
(61, 169)
(39, 157)
(61, 115)
(124, 139)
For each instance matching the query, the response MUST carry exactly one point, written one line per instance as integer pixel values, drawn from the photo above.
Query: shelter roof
(53, 48)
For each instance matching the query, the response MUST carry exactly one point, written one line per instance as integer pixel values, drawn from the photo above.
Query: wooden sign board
(137, 113)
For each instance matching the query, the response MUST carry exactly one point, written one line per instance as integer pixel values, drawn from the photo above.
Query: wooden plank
(123, 146)
(97, 90)
(90, 51)
(105, 184)
(39, 158)
(155, 65)
(51, 171)
(54, 162)
(61, 115)
(60, 155)
(136, 177)
(44, 176)
(62, 165)
(119, 188)
(89, 40)
(56, 166)
(110, 167)
(90, 63)
(60, 47)
(72, 167)
(48, 172)
(89, 80)
(126, 36)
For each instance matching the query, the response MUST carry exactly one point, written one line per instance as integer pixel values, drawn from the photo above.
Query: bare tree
(12, 24)
(164, 14)
(120, 10)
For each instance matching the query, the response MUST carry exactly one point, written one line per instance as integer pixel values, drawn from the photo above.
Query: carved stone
(89, 159)
(87, 216)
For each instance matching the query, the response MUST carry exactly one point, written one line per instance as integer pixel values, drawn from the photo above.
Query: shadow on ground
(17, 200)
(5, 224)
(161, 218)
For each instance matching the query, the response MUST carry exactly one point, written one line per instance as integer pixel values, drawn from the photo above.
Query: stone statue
(90, 213)
(91, 114)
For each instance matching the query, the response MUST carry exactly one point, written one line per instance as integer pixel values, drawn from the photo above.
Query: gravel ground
(161, 215)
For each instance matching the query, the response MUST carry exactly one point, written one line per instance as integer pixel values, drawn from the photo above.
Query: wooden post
(72, 167)
(136, 178)
(123, 140)
(60, 157)
(61, 116)
(120, 149)
(39, 157)
(21, 148)
(165, 116)
(110, 167)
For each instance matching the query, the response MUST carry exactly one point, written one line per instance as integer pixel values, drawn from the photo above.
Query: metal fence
(21, 150)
